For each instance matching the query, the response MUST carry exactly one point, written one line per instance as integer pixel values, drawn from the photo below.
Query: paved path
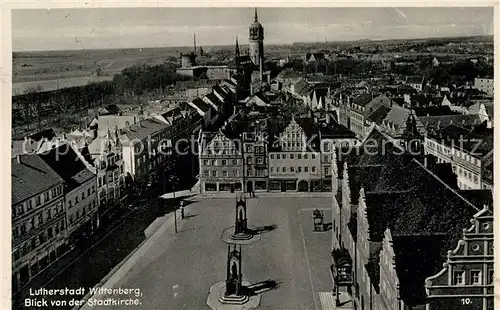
(178, 270)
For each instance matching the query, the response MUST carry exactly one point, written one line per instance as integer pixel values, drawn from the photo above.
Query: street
(177, 272)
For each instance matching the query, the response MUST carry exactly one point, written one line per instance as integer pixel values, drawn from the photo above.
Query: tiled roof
(66, 163)
(144, 129)
(362, 100)
(434, 111)
(30, 177)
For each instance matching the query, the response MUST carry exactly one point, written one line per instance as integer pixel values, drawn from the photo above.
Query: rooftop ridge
(446, 185)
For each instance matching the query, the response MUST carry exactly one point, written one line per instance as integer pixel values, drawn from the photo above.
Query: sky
(76, 29)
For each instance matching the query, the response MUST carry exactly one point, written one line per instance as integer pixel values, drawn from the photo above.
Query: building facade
(293, 166)
(221, 164)
(145, 150)
(39, 235)
(80, 191)
(466, 279)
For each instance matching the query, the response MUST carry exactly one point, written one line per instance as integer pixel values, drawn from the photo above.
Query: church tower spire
(237, 51)
(256, 41)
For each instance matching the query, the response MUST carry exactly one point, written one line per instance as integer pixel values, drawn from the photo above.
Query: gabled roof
(66, 163)
(31, 176)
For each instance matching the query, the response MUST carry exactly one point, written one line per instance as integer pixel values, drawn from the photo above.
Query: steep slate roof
(478, 197)
(30, 177)
(335, 131)
(417, 257)
(202, 105)
(379, 114)
(66, 163)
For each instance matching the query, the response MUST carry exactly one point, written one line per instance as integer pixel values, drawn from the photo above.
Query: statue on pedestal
(241, 217)
(234, 276)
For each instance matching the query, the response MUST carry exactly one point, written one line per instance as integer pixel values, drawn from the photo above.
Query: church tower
(256, 42)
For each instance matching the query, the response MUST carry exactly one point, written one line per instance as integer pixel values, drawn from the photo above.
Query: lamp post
(173, 178)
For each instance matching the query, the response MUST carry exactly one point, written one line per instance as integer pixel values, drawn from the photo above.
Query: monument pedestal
(217, 301)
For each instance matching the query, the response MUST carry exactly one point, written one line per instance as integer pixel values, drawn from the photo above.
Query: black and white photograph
(238, 158)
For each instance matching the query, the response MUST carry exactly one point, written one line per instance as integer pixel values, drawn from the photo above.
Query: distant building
(415, 82)
(485, 85)
(469, 152)
(361, 107)
(39, 235)
(145, 149)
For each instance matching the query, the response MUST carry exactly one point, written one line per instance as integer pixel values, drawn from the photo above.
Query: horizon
(104, 29)
(272, 44)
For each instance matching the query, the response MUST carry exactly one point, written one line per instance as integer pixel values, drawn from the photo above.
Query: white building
(485, 85)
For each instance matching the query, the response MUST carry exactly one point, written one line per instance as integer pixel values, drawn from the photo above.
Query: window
(490, 276)
(205, 162)
(46, 196)
(272, 169)
(38, 201)
(291, 156)
(272, 156)
(299, 169)
(475, 276)
(277, 156)
(313, 156)
(206, 173)
(284, 156)
(214, 162)
(76, 200)
(235, 161)
(458, 277)
(299, 156)
(214, 173)
(313, 169)
(260, 161)
(224, 173)
(224, 162)
(88, 192)
(306, 169)
(283, 169)
(292, 169)
(327, 170)
(305, 156)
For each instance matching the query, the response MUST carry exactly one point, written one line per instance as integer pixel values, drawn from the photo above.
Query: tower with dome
(256, 41)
